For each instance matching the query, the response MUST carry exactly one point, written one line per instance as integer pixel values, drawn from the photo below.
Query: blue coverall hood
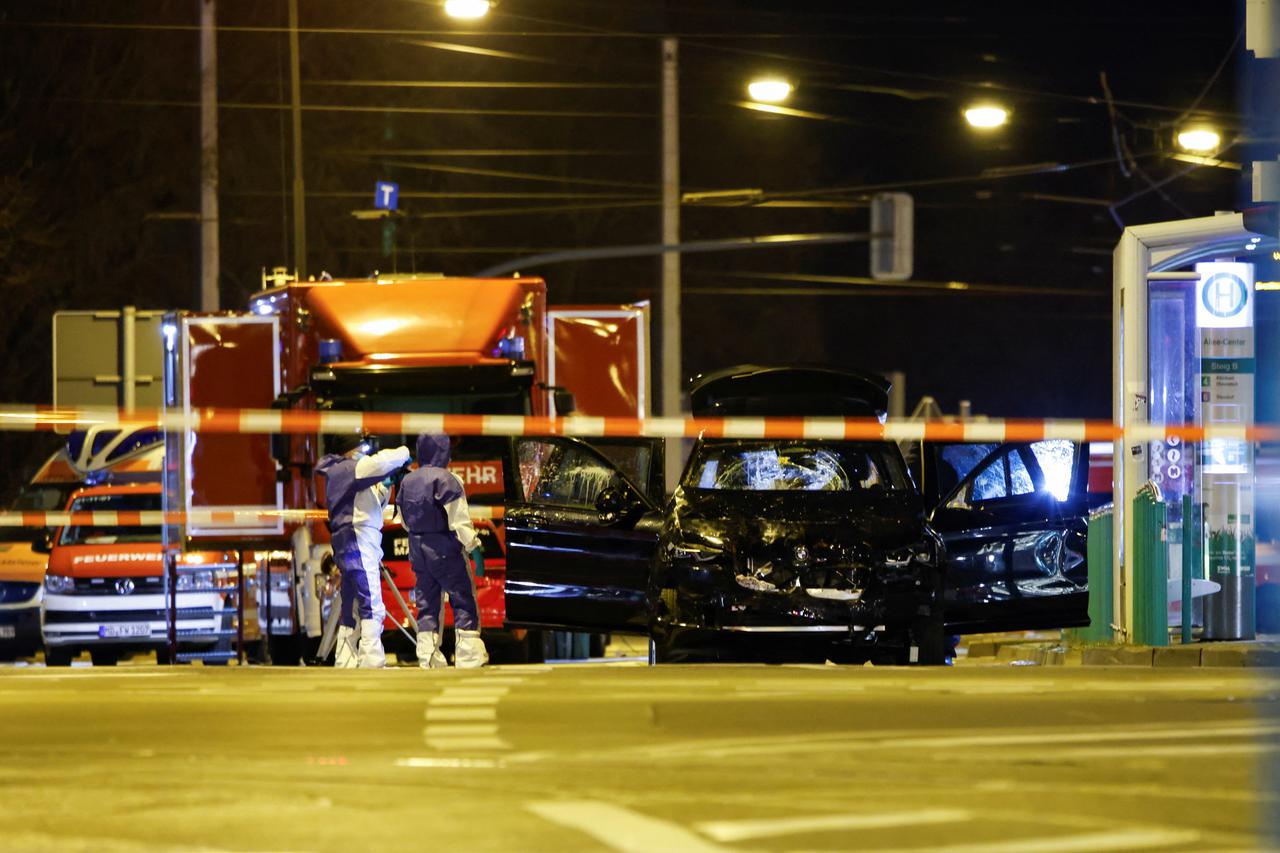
(433, 450)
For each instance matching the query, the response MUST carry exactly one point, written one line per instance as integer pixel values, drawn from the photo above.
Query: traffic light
(892, 230)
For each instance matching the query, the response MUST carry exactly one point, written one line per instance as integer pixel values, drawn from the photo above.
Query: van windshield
(92, 534)
(45, 497)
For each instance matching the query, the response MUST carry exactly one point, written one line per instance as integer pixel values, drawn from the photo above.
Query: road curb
(1250, 653)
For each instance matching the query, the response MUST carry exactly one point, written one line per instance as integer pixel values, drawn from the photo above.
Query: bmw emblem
(802, 554)
(125, 586)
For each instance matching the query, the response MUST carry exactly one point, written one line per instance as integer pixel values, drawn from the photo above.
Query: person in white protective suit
(355, 496)
(433, 508)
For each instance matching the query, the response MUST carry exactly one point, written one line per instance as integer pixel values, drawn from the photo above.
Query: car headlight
(194, 580)
(59, 583)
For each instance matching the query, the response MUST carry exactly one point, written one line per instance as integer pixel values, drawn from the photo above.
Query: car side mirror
(613, 504)
(565, 403)
(43, 543)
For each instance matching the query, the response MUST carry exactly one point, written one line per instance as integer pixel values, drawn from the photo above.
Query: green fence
(1150, 569)
(1098, 553)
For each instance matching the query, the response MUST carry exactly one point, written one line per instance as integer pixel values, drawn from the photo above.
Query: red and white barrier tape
(265, 421)
(204, 518)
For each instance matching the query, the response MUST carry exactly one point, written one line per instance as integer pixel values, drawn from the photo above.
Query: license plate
(128, 629)
(8, 632)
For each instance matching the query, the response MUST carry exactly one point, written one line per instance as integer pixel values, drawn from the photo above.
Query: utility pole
(672, 371)
(299, 190)
(208, 161)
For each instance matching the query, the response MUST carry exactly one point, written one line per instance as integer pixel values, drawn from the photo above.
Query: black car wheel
(58, 657)
(928, 632)
(929, 637)
(104, 657)
(285, 649)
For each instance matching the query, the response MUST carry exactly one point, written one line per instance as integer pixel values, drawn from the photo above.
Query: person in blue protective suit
(355, 496)
(433, 508)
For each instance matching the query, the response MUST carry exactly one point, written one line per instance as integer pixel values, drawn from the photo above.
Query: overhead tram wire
(478, 84)
(967, 85)
(520, 176)
(872, 283)
(354, 108)
(399, 33)
(486, 152)
(1012, 172)
(700, 39)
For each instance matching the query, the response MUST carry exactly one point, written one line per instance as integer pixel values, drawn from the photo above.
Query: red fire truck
(400, 343)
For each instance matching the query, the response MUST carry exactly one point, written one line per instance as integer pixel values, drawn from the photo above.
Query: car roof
(798, 391)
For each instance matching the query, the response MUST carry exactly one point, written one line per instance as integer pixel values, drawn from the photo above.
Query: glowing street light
(467, 9)
(1200, 138)
(769, 90)
(986, 116)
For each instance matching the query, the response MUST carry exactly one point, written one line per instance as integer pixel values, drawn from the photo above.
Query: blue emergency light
(330, 350)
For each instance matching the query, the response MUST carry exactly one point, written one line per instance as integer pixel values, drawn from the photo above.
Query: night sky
(99, 165)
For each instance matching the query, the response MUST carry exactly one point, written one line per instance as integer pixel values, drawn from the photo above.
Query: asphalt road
(633, 758)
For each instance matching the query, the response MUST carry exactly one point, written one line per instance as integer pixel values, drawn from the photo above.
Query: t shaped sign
(386, 195)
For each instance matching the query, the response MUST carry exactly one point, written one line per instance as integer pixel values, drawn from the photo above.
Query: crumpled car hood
(742, 519)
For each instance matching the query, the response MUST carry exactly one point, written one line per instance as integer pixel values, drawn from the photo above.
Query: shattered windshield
(766, 466)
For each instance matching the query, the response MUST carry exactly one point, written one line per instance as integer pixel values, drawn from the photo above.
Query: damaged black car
(792, 549)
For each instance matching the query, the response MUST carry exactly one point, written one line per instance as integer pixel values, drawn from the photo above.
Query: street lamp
(1199, 138)
(769, 90)
(986, 116)
(467, 9)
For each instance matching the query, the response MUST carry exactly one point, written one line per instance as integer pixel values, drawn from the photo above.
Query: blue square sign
(386, 195)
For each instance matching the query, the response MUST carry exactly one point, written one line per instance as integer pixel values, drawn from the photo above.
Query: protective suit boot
(469, 652)
(344, 651)
(371, 654)
(429, 654)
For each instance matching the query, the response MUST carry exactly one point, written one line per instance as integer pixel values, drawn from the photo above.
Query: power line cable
(354, 108)
(1212, 79)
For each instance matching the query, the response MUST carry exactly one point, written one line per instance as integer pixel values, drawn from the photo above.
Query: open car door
(582, 524)
(1014, 526)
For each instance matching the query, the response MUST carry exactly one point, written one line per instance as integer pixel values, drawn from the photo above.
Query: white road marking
(1181, 732)
(462, 744)
(925, 738)
(457, 718)
(451, 763)
(489, 681)
(469, 695)
(622, 829)
(444, 730)
(459, 714)
(1089, 842)
(1127, 789)
(740, 830)
(1168, 751)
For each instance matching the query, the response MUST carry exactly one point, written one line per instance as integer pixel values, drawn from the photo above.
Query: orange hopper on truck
(399, 343)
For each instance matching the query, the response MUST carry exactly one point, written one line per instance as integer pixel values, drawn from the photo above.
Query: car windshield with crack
(766, 466)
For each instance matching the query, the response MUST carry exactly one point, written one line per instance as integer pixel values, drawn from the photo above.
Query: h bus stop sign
(386, 195)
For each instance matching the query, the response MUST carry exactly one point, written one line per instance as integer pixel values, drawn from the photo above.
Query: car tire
(929, 636)
(58, 657)
(284, 650)
(598, 644)
(535, 646)
(928, 632)
(162, 656)
(104, 657)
